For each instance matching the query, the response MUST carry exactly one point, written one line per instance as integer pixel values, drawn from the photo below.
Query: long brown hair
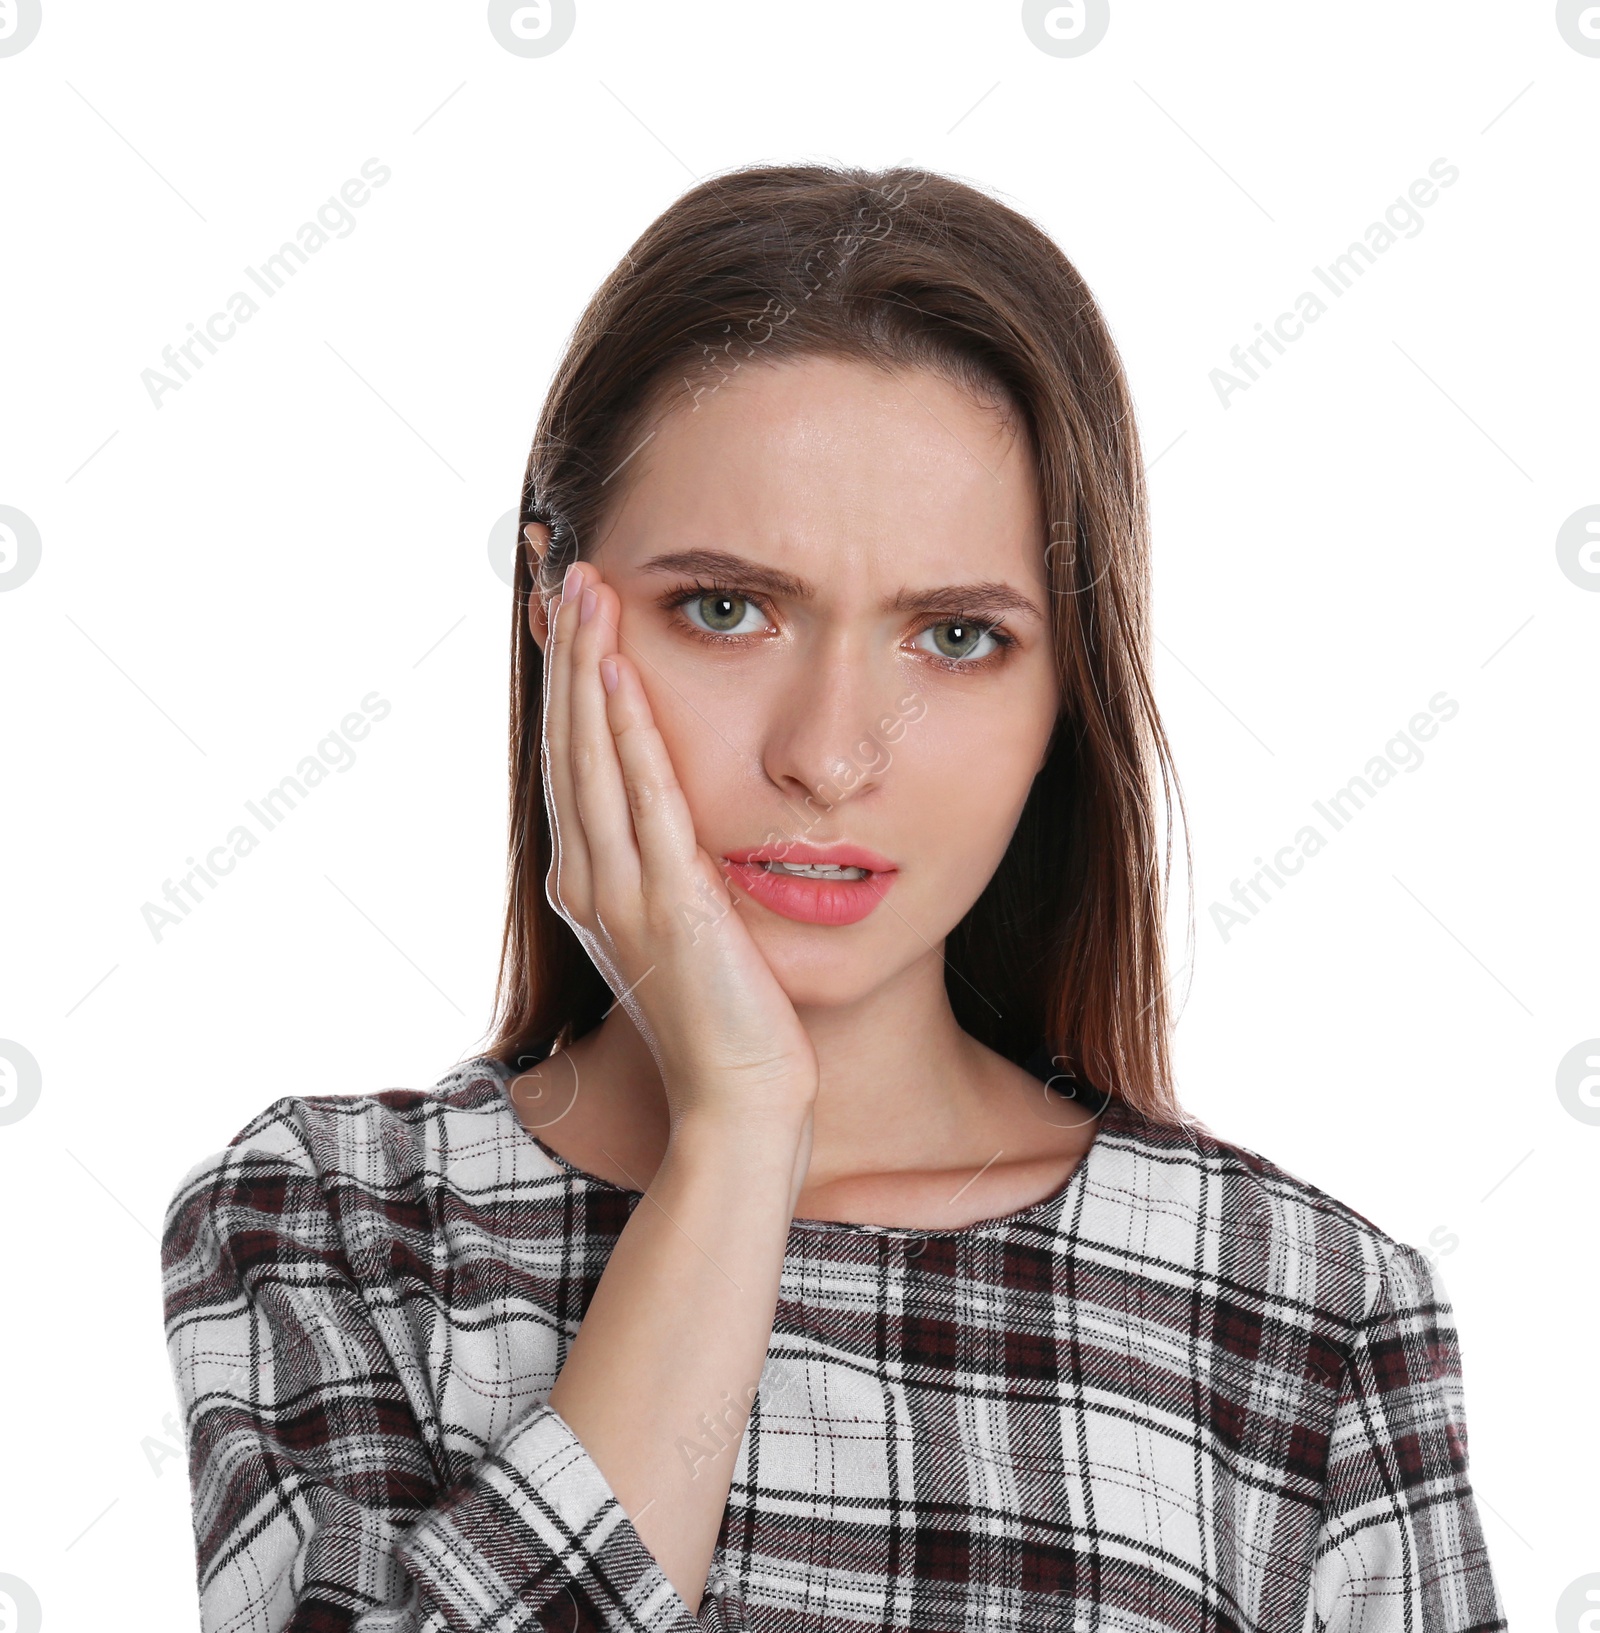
(1065, 947)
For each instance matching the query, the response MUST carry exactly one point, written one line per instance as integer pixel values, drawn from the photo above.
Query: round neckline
(1056, 1199)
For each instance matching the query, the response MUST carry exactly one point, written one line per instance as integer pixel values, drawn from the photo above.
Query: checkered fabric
(1187, 1391)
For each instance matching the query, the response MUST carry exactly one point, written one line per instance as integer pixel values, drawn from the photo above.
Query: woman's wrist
(754, 1142)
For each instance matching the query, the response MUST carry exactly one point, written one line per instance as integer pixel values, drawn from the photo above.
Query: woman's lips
(813, 901)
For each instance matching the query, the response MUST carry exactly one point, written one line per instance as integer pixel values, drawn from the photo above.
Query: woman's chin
(817, 970)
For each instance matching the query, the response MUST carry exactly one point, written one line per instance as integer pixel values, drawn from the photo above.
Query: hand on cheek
(644, 897)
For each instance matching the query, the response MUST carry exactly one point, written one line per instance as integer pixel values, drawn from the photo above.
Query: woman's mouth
(814, 884)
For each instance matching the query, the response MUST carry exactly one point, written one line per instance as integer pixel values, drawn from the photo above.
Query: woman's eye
(958, 641)
(720, 613)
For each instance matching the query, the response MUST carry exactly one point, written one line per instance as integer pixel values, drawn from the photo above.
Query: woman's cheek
(967, 775)
(709, 727)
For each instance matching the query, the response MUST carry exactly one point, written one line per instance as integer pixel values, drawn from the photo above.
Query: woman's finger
(663, 827)
(568, 848)
(602, 795)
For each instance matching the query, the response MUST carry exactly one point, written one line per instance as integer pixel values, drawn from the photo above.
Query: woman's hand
(680, 1322)
(649, 904)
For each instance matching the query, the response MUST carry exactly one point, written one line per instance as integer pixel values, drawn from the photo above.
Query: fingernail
(586, 606)
(570, 581)
(608, 674)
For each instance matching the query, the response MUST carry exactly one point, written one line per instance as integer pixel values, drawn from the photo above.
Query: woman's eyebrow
(989, 600)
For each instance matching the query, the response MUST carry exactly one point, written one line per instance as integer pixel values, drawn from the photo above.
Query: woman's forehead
(833, 461)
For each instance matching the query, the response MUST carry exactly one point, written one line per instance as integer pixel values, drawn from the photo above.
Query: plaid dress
(1187, 1391)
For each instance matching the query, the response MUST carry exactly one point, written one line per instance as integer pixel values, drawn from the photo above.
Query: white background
(307, 521)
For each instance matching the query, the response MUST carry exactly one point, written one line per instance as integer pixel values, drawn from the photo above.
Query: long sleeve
(1400, 1548)
(324, 1494)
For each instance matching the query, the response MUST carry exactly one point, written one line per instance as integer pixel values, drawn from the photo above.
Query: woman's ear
(538, 537)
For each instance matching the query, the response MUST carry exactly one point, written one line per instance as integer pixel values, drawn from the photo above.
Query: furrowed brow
(740, 573)
(987, 600)
(971, 600)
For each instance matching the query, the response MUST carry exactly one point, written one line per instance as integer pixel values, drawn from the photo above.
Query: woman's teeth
(815, 870)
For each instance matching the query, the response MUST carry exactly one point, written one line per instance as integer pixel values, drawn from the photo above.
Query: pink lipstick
(814, 884)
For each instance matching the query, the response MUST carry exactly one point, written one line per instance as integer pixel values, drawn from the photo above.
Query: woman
(818, 1243)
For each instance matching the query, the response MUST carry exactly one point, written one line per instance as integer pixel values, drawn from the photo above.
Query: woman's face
(833, 585)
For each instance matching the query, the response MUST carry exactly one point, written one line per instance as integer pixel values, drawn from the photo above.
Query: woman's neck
(907, 1104)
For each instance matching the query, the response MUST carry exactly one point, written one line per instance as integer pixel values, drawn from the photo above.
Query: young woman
(818, 1243)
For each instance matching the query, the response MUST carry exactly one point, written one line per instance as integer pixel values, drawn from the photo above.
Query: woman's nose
(828, 733)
